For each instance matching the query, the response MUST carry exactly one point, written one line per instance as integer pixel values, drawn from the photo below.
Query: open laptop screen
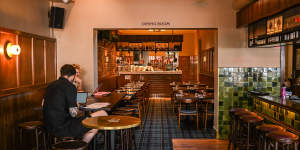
(81, 97)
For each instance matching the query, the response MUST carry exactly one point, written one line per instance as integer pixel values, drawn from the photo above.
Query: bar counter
(291, 105)
(159, 80)
(285, 112)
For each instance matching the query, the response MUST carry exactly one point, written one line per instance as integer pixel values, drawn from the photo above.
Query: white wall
(249, 57)
(25, 15)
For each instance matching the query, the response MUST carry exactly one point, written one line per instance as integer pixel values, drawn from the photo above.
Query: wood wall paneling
(22, 103)
(16, 109)
(267, 7)
(242, 17)
(25, 60)
(257, 11)
(251, 13)
(283, 4)
(261, 9)
(206, 67)
(38, 59)
(8, 67)
(107, 66)
(50, 61)
(188, 66)
(290, 3)
(184, 67)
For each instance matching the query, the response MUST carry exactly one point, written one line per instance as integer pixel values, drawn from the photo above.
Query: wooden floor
(199, 144)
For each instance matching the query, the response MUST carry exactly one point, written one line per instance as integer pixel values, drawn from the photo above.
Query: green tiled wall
(233, 86)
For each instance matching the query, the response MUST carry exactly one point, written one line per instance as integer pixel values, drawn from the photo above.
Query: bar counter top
(285, 112)
(151, 72)
(292, 105)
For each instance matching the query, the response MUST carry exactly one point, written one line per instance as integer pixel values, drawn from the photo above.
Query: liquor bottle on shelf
(286, 37)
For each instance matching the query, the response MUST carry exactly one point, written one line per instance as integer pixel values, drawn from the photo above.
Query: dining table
(114, 99)
(198, 144)
(110, 124)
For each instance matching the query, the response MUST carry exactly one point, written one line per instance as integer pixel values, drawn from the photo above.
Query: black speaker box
(57, 16)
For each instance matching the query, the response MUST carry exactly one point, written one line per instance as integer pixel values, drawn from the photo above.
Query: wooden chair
(137, 104)
(207, 112)
(207, 107)
(173, 101)
(188, 110)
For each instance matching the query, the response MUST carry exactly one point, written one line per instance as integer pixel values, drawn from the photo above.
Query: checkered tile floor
(160, 125)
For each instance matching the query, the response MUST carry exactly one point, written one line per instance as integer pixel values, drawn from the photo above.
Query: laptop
(82, 97)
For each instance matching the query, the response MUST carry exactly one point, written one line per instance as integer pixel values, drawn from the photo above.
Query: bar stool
(283, 139)
(37, 127)
(264, 129)
(239, 130)
(233, 125)
(251, 121)
(70, 145)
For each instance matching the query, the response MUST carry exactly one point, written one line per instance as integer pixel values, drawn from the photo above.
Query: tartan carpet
(160, 125)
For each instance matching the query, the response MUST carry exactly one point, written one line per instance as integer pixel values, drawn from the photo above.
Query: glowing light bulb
(12, 50)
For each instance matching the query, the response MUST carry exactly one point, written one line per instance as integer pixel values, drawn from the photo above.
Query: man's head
(68, 71)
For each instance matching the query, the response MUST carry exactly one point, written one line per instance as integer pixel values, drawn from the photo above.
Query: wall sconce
(10, 49)
(204, 59)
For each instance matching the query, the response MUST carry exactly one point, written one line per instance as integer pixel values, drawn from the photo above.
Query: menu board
(284, 27)
(292, 22)
(270, 26)
(274, 25)
(278, 24)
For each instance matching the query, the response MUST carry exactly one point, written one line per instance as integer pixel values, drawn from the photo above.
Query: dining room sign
(156, 23)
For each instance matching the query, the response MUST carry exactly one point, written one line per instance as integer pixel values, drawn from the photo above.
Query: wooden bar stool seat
(34, 126)
(251, 119)
(233, 110)
(70, 145)
(264, 129)
(31, 125)
(269, 128)
(282, 138)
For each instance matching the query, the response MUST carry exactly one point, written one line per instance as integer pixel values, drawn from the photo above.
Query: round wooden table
(110, 124)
